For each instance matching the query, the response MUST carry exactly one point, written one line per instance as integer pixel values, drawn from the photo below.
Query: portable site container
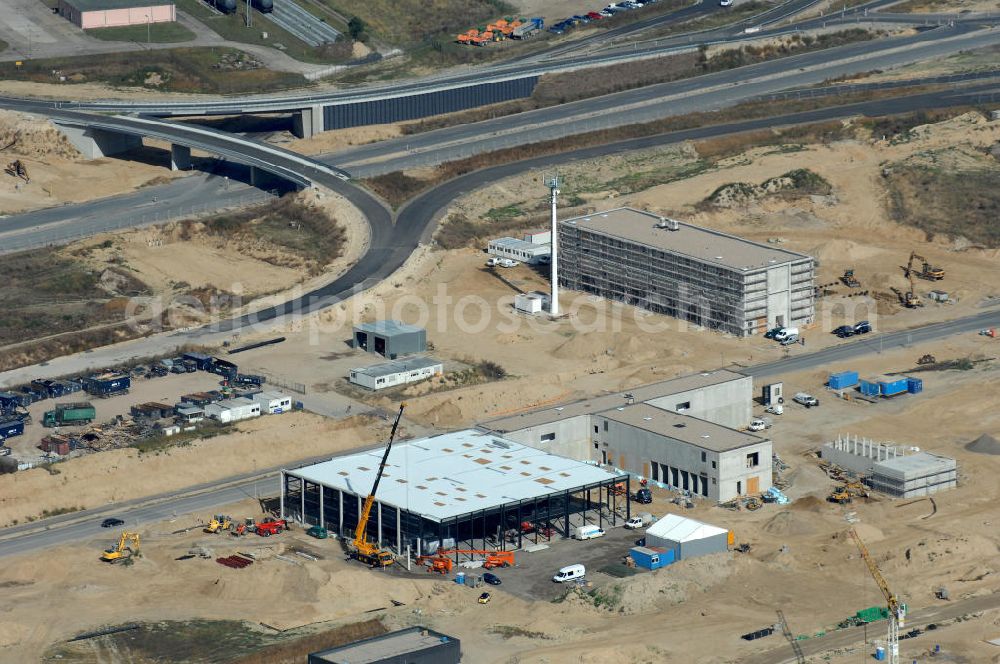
(869, 388)
(273, 403)
(890, 386)
(11, 428)
(914, 385)
(202, 361)
(107, 385)
(233, 410)
(842, 380)
(651, 558)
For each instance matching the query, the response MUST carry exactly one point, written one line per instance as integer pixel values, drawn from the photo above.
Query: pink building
(114, 13)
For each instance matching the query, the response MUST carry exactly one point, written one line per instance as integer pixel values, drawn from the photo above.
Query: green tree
(358, 29)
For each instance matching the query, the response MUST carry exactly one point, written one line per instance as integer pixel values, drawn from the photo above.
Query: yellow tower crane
(897, 613)
(361, 549)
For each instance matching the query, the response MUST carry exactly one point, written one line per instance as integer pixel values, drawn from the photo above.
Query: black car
(491, 579)
(863, 327)
(844, 331)
(644, 496)
(773, 331)
(111, 523)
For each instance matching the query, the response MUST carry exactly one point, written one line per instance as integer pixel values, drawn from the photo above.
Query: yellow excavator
(128, 546)
(926, 271)
(219, 523)
(361, 549)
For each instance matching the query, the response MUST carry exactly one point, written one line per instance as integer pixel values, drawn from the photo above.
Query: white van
(786, 332)
(569, 573)
(587, 532)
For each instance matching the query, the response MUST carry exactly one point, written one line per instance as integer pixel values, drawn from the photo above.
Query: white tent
(686, 537)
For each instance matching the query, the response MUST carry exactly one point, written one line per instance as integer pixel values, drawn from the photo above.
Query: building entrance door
(753, 485)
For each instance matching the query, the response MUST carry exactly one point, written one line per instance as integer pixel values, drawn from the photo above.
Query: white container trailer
(273, 403)
(388, 374)
(233, 410)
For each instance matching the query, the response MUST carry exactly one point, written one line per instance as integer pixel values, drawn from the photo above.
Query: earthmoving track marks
(235, 562)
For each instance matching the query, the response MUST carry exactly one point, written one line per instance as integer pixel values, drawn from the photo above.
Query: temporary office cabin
(686, 538)
(273, 403)
(232, 410)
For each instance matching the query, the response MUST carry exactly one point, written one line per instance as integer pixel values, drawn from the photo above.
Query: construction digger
(128, 546)
(248, 526)
(926, 271)
(361, 549)
(18, 169)
(848, 492)
(219, 523)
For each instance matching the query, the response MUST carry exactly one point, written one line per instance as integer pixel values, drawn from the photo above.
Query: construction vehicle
(69, 413)
(437, 562)
(249, 525)
(128, 546)
(18, 169)
(926, 359)
(491, 559)
(849, 280)
(910, 300)
(926, 271)
(219, 523)
(271, 527)
(848, 492)
(990, 332)
(897, 612)
(361, 549)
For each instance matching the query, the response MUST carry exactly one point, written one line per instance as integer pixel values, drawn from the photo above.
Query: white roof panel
(682, 529)
(455, 473)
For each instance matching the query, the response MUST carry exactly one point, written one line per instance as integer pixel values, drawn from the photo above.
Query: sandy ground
(338, 139)
(58, 172)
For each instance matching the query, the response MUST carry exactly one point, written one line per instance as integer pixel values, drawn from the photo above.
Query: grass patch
(162, 443)
(459, 231)
(306, 231)
(504, 213)
(415, 22)
(212, 642)
(233, 27)
(159, 33)
(198, 70)
(511, 631)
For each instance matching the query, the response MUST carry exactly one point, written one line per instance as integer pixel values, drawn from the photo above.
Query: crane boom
(896, 611)
(363, 549)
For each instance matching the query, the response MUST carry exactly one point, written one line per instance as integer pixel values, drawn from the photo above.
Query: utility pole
(553, 185)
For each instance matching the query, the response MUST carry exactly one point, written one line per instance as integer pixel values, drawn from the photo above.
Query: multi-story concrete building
(709, 278)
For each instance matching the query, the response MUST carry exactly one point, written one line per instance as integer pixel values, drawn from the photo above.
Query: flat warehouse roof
(687, 429)
(455, 473)
(98, 5)
(916, 465)
(607, 402)
(702, 244)
(388, 327)
(522, 245)
(380, 648)
(399, 366)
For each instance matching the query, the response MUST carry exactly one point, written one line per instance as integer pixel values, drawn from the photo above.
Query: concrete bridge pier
(180, 157)
(308, 122)
(97, 143)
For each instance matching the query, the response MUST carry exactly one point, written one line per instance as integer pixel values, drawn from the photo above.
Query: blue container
(651, 558)
(460, 578)
(11, 428)
(890, 387)
(842, 380)
(914, 385)
(879, 654)
(869, 388)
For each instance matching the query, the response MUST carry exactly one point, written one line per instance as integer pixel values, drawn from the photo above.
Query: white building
(533, 248)
(531, 303)
(400, 372)
(687, 538)
(273, 403)
(232, 410)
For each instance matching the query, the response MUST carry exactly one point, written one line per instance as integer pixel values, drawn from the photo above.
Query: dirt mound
(843, 251)
(789, 523)
(32, 137)
(581, 346)
(809, 504)
(985, 444)
(444, 414)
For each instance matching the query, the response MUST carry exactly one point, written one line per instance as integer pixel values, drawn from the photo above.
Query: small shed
(531, 303)
(89, 14)
(686, 538)
(189, 414)
(390, 338)
(651, 558)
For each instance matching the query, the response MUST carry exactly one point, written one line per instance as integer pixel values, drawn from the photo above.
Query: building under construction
(712, 279)
(466, 489)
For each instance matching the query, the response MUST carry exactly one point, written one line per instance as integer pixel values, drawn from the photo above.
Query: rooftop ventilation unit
(669, 224)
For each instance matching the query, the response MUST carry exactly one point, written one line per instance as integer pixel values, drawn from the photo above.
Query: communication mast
(553, 184)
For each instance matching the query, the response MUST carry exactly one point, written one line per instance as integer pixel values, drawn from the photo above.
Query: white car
(805, 399)
(725, 3)
(775, 409)
(507, 262)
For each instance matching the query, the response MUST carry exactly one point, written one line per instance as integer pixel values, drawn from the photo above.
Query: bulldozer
(849, 280)
(128, 546)
(219, 523)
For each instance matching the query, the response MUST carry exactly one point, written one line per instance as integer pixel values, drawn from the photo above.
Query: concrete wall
(572, 437)
(736, 478)
(858, 455)
(728, 404)
(95, 143)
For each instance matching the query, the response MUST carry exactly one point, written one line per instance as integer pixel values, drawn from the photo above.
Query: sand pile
(985, 444)
(649, 592)
(809, 504)
(840, 251)
(789, 523)
(33, 137)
